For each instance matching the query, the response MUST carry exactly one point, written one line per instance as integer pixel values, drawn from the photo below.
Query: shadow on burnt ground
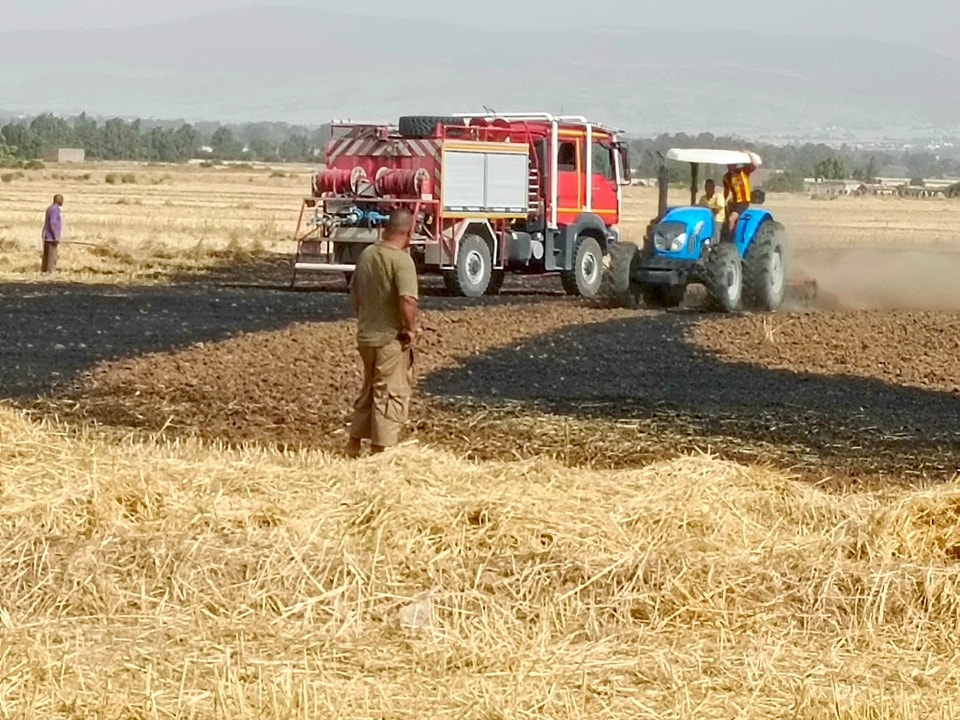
(51, 332)
(657, 392)
(274, 271)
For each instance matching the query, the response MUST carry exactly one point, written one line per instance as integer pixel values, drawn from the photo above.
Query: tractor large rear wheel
(471, 278)
(618, 286)
(587, 274)
(723, 271)
(764, 268)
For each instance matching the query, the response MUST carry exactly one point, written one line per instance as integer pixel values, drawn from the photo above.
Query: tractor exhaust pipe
(663, 185)
(694, 183)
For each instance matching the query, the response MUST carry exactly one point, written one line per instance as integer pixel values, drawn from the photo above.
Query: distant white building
(819, 186)
(65, 155)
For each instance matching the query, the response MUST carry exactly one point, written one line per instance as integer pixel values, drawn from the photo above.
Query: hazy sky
(933, 24)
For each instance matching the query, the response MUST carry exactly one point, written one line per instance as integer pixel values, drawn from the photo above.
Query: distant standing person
(52, 231)
(384, 292)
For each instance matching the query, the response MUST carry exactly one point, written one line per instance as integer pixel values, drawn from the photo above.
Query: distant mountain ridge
(308, 66)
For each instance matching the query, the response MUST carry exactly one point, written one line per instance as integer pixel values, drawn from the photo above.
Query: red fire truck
(528, 193)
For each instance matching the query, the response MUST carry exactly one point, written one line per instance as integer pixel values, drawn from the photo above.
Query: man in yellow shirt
(384, 291)
(715, 201)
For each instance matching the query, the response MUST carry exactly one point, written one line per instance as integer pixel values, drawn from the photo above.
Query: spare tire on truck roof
(424, 126)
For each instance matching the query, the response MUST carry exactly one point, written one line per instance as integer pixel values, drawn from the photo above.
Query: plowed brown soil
(839, 397)
(915, 349)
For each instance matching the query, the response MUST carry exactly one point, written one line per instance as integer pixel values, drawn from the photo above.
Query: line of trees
(153, 141)
(797, 162)
(26, 140)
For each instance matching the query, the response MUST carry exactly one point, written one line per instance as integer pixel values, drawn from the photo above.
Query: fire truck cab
(528, 193)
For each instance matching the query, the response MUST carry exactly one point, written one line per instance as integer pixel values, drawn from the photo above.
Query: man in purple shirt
(52, 229)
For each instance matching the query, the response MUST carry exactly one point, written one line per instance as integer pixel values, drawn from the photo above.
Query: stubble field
(608, 513)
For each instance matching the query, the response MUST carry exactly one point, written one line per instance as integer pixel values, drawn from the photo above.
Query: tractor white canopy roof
(713, 157)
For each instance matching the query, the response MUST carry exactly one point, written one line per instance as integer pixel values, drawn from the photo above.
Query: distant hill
(307, 66)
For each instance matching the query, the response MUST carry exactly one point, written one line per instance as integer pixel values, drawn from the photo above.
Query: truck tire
(587, 274)
(619, 290)
(764, 268)
(424, 126)
(471, 278)
(496, 282)
(663, 296)
(723, 276)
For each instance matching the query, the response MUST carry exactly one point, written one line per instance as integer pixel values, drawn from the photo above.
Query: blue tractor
(686, 245)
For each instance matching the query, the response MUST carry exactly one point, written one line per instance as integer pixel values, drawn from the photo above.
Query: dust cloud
(866, 278)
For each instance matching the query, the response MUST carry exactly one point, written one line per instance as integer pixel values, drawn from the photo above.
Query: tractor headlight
(669, 243)
(670, 237)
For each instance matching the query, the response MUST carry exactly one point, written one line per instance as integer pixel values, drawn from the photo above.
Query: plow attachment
(801, 289)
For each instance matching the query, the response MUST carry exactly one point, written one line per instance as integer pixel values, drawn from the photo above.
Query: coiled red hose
(400, 182)
(338, 181)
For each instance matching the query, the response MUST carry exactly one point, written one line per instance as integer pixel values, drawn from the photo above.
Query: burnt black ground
(273, 366)
(51, 332)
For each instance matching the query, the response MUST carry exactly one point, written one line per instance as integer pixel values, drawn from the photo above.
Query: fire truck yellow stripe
(517, 148)
(580, 210)
(482, 215)
(580, 133)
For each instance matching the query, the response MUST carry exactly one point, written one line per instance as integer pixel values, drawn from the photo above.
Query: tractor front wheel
(764, 269)
(618, 286)
(723, 270)
(587, 273)
(471, 278)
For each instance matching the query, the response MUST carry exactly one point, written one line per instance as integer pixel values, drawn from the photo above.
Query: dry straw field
(601, 514)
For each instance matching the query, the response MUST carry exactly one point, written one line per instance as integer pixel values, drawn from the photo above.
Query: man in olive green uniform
(385, 294)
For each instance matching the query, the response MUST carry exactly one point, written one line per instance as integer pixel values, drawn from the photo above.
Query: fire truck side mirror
(625, 175)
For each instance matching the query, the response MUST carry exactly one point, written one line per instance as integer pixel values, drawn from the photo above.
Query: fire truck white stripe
(336, 149)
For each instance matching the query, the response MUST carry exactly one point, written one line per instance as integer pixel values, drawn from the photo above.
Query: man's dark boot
(353, 448)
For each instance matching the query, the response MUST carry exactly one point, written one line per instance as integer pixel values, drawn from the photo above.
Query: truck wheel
(617, 285)
(474, 268)
(424, 126)
(587, 273)
(764, 269)
(663, 296)
(723, 272)
(496, 282)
